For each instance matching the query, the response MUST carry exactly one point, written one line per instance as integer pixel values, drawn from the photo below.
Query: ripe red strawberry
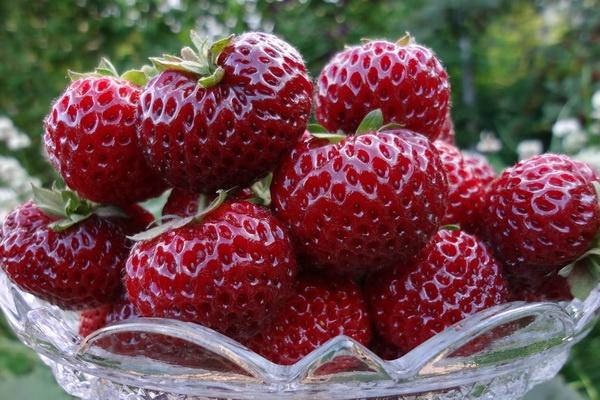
(94, 319)
(91, 141)
(167, 349)
(137, 219)
(453, 277)
(551, 288)
(321, 309)
(76, 268)
(229, 128)
(405, 80)
(361, 204)
(466, 188)
(185, 204)
(541, 214)
(480, 167)
(229, 272)
(447, 133)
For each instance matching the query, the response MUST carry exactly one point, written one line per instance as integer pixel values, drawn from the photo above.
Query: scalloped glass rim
(531, 350)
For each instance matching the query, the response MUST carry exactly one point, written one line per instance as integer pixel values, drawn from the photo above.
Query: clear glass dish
(498, 354)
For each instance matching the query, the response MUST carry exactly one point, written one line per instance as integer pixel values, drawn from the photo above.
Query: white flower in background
(529, 148)
(565, 126)
(590, 156)
(596, 105)
(574, 141)
(16, 184)
(8, 201)
(488, 143)
(10, 135)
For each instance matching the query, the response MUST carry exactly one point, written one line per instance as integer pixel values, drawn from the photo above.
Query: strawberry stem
(201, 62)
(69, 208)
(177, 222)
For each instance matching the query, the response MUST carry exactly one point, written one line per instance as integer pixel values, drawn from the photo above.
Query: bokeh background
(525, 79)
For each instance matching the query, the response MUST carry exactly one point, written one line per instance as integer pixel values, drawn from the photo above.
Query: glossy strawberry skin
(407, 83)
(541, 214)
(320, 309)
(137, 219)
(447, 133)
(229, 272)
(75, 269)
(549, 288)
(362, 204)
(235, 132)
(453, 277)
(467, 187)
(480, 166)
(91, 140)
(94, 319)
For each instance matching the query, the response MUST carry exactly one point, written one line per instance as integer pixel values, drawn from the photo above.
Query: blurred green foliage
(515, 68)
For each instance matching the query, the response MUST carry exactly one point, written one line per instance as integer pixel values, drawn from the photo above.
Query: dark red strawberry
(94, 319)
(385, 350)
(91, 141)
(185, 204)
(447, 133)
(168, 349)
(76, 267)
(136, 219)
(361, 204)
(541, 214)
(480, 167)
(466, 188)
(227, 117)
(551, 288)
(230, 272)
(405, 80)
(453, 277)
(320, 310)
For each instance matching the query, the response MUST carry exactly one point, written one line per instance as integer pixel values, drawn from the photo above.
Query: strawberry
(228, 268)
(320, 309)
(550, 288)
(73, 263)
(447, 133)
(226, 116)
(480, 167)
(168, 349)
(94, 319)
(361, 204)
(90, 138)
(466, 187)
(136, 219)
(403, 79)
(453, 277)
(541, 214)
(185, 204)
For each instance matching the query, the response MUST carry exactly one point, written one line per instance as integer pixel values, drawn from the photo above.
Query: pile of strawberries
(280, 234)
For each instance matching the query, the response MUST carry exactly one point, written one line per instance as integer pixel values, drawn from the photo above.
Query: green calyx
(69, 208)
(262, 191)
(170, 222)
(406, 40)
(372, 122)
(138, 77)
(201, 62)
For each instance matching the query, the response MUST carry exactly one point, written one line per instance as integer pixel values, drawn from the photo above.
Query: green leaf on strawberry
(69, 208)
(201, 62)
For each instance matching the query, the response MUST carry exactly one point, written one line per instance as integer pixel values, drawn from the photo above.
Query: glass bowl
(499, 353)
